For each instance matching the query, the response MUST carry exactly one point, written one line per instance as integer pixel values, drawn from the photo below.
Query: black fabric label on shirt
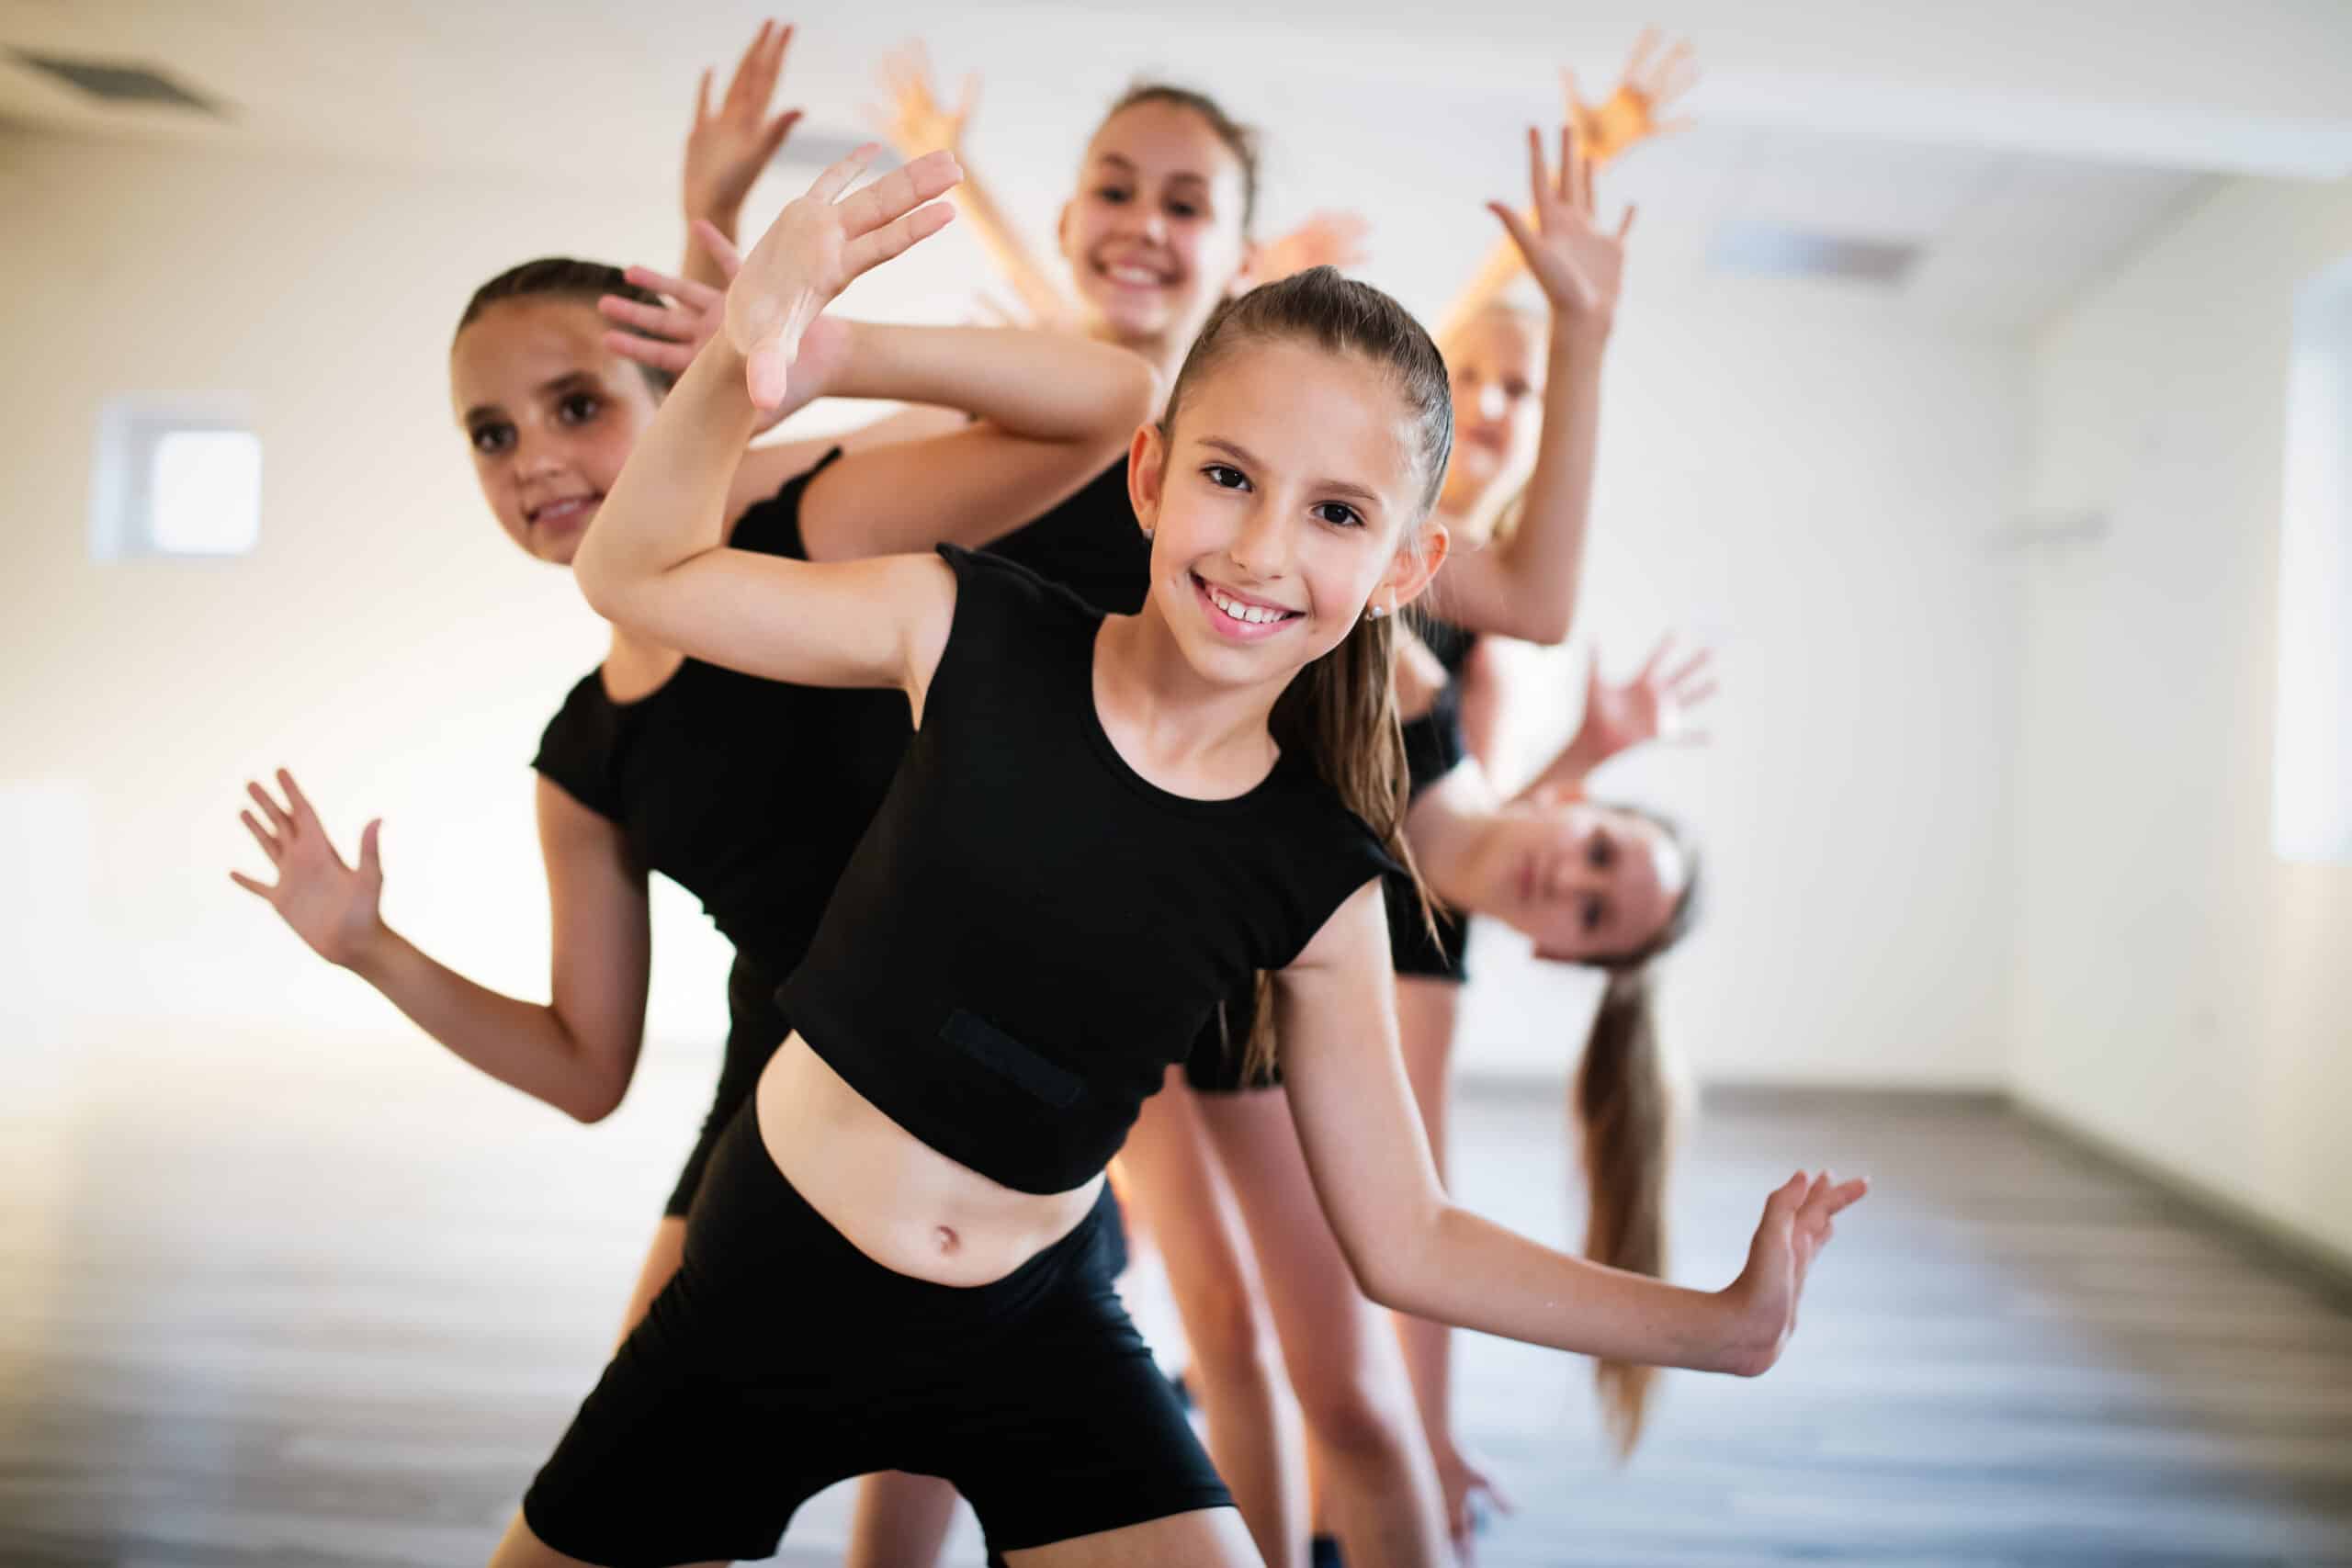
(994, 1049)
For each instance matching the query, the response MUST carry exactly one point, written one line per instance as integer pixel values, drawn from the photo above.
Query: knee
(1351, 1409)
(1229, 1342)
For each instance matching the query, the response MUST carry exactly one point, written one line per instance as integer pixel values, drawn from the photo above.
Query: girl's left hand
(1654, 705)
(670, 334)
(817, 247)
(1579, 265)
(726, 149)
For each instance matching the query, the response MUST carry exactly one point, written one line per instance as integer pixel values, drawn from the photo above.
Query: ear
(1412, 568)
(1061, 230)
(1147, 470)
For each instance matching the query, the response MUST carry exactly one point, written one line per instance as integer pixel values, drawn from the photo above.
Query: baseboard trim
(2283, 1246)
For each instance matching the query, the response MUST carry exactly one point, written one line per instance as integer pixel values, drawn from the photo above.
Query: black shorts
(781, 1360)
(755, 1027)
(1220, 1053)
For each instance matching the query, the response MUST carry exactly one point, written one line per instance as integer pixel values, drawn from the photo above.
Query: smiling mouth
(1239, 616)
(570, 509)
(1129, 276)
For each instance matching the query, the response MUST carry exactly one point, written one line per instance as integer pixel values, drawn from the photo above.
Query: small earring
(1146, 530)
(1374, 612)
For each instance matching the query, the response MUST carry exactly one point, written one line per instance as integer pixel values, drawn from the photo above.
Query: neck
(1212, 734)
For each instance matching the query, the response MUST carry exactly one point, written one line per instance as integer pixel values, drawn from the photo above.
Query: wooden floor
(334, 1313)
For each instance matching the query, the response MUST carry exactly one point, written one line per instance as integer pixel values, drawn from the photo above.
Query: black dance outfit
(1029, 935)
(751, 794)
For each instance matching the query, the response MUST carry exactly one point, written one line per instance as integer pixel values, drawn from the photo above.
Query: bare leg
(901, 1521)
(1427, 1010)
(1379, 1488)
(1174, 1180)
(1210, 1537)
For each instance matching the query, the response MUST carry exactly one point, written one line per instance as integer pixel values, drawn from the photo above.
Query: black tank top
(750, 793)
(1031, 933)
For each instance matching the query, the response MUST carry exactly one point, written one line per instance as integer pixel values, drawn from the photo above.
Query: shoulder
(772, 526)
(990, 581)
(577, 746)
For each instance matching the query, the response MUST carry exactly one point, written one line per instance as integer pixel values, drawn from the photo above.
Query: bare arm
(1526, 586)
(1005, 423)
(1415, 1251)
(576, 1052)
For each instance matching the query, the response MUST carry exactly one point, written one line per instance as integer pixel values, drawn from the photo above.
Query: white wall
(2183, 992)
(1804, 479)
(1812, 489)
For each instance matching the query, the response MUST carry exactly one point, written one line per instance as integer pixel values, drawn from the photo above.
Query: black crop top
(1032, 932)
(748, 793)
(1090, 544)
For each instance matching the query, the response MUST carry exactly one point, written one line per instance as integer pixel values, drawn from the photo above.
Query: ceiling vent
(120, 85)
(1768, 250)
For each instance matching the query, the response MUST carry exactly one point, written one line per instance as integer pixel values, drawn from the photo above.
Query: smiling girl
(1106, 825)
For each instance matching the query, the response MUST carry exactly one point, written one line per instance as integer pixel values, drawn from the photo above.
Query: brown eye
(491, 439)
(1602, 853)
(578, 407)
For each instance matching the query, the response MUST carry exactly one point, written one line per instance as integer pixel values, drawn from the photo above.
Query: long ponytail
(1625, 1105)
(1341, 711)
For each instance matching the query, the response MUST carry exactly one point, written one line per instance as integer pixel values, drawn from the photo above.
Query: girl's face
(1586, 882)
(1283, 499)
(1496, 363)
(551, 413)
(1154, 235)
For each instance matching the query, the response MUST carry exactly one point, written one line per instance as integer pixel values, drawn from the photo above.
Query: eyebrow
(1128, 165)
(562, 383)
(1348, 488)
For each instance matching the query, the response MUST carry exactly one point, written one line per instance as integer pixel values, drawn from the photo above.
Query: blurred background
(1981, 396)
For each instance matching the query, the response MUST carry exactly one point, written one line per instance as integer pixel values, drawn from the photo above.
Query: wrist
(725, 217)
(1582, 333)
(371, 956)
(1737, 1348)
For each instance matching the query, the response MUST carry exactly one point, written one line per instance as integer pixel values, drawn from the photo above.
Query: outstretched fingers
(280, 818)
(264, 837)
(897, 193)
(873, 249)
(835, 180)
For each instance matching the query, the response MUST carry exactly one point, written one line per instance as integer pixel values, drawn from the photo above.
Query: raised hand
(1630, 114)
(331, 906)
(817, 246)
(1326, 238)
(1656, 704)
(913, 121)
(1580, 266)
(667, 336)
(728, 147)
(1798, 1222)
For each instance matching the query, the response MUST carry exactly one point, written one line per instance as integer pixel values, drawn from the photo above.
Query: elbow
(1545, 626)
(594, 1100)
(1141, 390)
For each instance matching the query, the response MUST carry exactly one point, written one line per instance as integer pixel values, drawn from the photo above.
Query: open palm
(1579, 265)
(817, 246)
(914, 120)
(1655, 703)
(333, 906)
(730, 145)
(1630, 115)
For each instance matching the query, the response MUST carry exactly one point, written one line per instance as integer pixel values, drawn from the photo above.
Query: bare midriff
(892, 1196)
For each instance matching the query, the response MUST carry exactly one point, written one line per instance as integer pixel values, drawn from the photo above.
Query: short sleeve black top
(750, 793)
(1032, 932)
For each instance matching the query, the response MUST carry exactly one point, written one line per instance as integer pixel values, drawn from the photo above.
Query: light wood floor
(333, 1314)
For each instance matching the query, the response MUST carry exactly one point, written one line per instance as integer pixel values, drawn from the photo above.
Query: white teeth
(1253, 614)
(1134, 274)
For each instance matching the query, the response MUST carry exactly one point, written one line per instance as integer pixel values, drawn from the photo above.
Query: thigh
(1207, 1538)
(1172, 1179)
(1328, 1330)
(1064, 1429)
(660, 1262)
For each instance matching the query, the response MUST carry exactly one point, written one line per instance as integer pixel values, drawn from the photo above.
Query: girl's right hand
(331, 906)
(817, 247)
(913, 121)
(1464, 1484)
(1798, 1221)
(1631, 113)
(1579, 265)
(730, 147)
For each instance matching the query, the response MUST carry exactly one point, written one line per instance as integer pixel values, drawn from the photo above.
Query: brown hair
(1622, 1100)
(565, 278)
(1238, 139)
(1341, 711)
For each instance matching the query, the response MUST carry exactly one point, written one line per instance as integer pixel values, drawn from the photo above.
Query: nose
(1262, 547)
(1492, 404)
(535, 456)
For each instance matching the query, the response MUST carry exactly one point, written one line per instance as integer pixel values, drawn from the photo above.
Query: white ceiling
(2024, 151)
